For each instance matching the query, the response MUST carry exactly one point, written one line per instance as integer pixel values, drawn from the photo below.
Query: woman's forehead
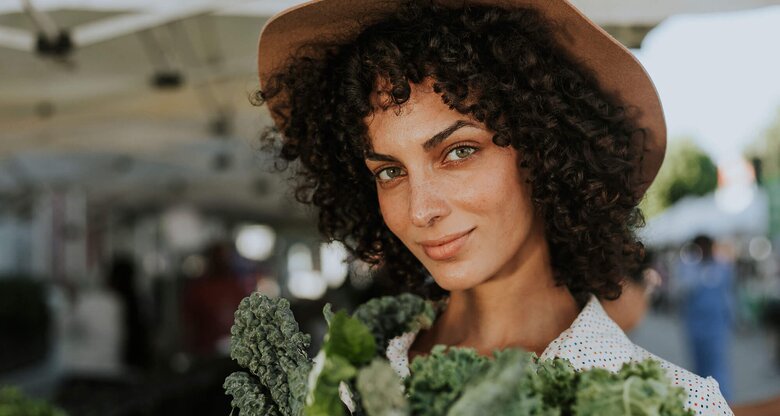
(421, 117)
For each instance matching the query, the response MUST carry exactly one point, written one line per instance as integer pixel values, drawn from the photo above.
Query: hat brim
(617, 71)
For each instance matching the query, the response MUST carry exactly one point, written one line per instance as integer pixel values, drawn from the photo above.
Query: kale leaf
(249, 395)
(638, 389)
(506, 387)
(381, 390)
(438, 379)
(390, 316)
(348, 345)
(266, 340)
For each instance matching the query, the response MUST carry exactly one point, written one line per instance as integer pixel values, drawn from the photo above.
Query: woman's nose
(427, 204)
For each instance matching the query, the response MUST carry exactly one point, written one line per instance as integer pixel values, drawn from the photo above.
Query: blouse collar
(592, 331)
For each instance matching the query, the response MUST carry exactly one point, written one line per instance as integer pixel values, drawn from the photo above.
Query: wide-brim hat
(615, 68)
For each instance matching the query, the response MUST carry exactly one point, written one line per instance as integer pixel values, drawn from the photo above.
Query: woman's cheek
(478, 189)
(392, 213)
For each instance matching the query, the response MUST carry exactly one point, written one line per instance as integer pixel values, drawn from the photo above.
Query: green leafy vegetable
(638, 389)
(350, 339)
(249, 395)
(14, 403)
(390, 316)
(327, 312)
(502, 389)
(282, 381)
(438, 379)
(348, 344)
(554, 380)
(325, 398)
(518, 384)
(382, 390)
(266, 340)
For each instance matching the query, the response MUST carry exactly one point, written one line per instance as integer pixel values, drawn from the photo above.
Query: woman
(499, 147)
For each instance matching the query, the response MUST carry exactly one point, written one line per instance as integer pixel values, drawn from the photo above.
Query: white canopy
(71, 121)
(705, 215)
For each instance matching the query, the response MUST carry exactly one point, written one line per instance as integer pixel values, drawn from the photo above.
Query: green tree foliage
(767, 149)
(687, 171)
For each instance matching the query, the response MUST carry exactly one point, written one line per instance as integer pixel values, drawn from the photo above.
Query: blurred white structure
(183, 228)
(703, 215)
(333, 263)
(303, 281)
(255, 242)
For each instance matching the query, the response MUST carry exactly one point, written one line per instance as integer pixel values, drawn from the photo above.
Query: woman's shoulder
(704, 396)
(595, 340)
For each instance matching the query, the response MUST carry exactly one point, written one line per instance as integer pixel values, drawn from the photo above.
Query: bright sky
(718, 76)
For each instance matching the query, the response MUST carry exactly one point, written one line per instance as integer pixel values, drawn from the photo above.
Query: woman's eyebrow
(428, 145)
(378, 157)
(442, 135)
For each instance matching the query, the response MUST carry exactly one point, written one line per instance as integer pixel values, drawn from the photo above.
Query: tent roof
(692, 216)
(70, 122)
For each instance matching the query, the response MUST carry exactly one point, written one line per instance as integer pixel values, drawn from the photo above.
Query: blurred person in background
(705, 286)
(631, 307)
(92, 333)
(135, 348)
(209, 303)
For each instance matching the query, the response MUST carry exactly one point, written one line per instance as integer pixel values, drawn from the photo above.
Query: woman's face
(455, 199)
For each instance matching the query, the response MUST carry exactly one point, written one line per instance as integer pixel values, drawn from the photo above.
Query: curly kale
(281, 380)
(457, 382)
(637, 389)
(439, 379)
(390, 316)
(555, 381)
(503, 389)
(381, 390)
(266, 340)
(249, 395)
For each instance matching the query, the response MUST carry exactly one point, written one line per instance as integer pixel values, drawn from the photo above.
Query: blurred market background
(137, 207)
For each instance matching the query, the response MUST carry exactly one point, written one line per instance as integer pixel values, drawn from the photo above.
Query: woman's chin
(455, 280)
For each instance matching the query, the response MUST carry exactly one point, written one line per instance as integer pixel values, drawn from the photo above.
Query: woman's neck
(520, 306)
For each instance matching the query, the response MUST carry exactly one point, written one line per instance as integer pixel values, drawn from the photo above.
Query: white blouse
(595, 340)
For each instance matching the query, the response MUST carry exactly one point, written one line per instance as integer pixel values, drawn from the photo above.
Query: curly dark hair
(501, 67)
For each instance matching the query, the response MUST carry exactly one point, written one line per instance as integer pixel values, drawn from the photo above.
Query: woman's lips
(446, 247)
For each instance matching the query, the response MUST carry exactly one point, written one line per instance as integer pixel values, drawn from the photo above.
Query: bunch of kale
(351, 376)
(460, 383)
(281, 379)
(265, 340)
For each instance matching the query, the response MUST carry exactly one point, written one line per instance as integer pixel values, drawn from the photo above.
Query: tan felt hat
(617, 71)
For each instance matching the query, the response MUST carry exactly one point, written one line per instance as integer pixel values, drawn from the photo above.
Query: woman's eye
(387, 174)
(461, 152)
